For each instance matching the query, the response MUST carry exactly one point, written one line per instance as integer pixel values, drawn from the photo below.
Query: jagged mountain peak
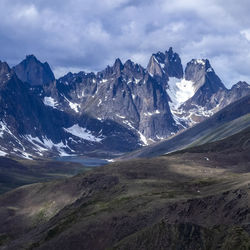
(241, 84)
(155, 67)
(118, 66)
(130, 64)
(151, 104)
(5, 72)
(202, 64)
(170, 50)
(168, 64)
(31, 57)
(160, 56)
(132, 69)
(4, 68)
(118, 62)
(173, 64)
(201, 73)
(34, 72)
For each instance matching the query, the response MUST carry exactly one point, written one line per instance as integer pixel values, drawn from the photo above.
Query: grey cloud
(90, 34)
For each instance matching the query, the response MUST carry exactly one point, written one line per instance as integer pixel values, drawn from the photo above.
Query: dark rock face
(34, 72)
(173, 64)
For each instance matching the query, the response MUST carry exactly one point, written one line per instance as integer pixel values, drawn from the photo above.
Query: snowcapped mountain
(200, 93)
(119, 109)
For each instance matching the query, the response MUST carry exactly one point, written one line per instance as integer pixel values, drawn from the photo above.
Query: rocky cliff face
(125, 93)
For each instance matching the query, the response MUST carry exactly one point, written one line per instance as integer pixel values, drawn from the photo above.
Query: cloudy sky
(74, 35)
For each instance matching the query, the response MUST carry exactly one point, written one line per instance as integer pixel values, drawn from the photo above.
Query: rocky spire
(34, 72)
(5, 72)
(168, 64)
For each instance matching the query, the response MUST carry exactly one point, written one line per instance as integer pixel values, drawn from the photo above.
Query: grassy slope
(233, 144)
(190, 200)
(224, 131)
(18, 172)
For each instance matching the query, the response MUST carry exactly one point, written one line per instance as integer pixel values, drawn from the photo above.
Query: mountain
(31, 128)
(167, 202)
(228, 121)
(125, 93)
(116, 110)
(201, 93)
(154, 103)
(34, 72)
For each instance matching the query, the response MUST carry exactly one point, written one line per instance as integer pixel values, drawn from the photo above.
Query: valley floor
(188, 200)
(16, 172)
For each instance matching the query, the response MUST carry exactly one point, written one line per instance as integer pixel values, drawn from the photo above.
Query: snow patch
(49, 101)
(44, 144)
(200, 61)
(2, 153)
(179, 91)
(110, 160)
(143, 138)
(162, 66)
(137, 80)
(187, 117)
(74, 106)
(122, 117)
(5, 129)
(159, 137)
(36, 142)
(83, 133)
(129, 124)
(26, 155)
(156, 112)
(99, 102)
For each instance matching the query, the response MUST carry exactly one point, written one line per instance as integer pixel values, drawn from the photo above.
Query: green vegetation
(19, 172)
(224, 131)
(194, 199)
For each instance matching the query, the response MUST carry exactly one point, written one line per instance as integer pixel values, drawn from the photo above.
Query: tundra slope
(195, 199)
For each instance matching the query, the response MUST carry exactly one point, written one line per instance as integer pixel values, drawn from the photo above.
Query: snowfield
(83, 133)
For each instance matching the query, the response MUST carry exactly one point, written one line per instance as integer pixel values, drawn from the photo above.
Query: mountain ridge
(150, 104)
